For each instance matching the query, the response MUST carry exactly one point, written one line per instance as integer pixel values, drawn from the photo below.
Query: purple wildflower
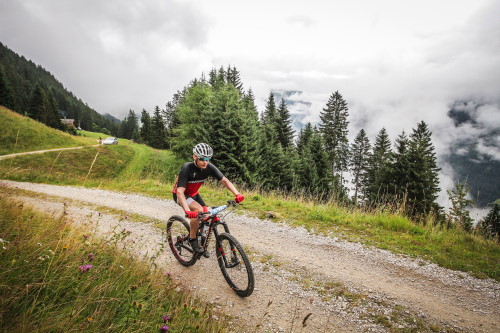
(164, 329)
(165, 318)
(85, 268)
(91, 256)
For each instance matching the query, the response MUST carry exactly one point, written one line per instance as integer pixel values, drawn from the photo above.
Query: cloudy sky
(395, 62)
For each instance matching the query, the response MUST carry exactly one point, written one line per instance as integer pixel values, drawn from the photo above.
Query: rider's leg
(194, 223)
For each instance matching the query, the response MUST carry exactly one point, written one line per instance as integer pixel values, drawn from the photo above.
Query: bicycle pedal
(206, 254)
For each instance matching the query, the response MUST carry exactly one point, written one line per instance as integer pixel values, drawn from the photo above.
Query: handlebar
(216, 210)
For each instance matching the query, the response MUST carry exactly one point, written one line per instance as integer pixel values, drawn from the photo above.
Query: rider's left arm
(227, 183)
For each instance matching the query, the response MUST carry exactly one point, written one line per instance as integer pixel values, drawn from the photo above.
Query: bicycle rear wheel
(178, 240)
(235, 265)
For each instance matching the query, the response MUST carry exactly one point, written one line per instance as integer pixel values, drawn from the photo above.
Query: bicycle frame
(214, 221)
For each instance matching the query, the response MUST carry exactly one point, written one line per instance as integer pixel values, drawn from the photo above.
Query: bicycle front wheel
(235, 265)
(178, 240)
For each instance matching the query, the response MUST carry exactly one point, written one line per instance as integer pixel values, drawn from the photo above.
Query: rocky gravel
(304, 282)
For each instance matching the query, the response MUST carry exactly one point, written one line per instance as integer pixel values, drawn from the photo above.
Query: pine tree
(304, 138)
(333, 125)
(283, 125)
(270, 114)
(378, 168)
(129, 127)
(233, 77)
(360, 154)
(228, 137)
(53, 117)
(146, 130)
(423, 188)
(38, 105)
(6, 97)
(251, 132)
(490, 225)
(458, 213)
(158, 131)
(399, 169)
(272, 171)
(195, 119)
(171, 117)
(323, 186)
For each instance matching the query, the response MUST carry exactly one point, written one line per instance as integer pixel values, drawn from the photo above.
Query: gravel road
(304, 282)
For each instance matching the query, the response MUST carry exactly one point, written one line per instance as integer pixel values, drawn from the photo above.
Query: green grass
(20, 134)
(44, 288)
(450, 248)
(73, 167)
(136, 168)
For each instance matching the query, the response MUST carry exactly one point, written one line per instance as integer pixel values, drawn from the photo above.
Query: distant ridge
(19, 77)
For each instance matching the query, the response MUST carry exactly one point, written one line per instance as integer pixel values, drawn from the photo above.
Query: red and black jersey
(191, 177)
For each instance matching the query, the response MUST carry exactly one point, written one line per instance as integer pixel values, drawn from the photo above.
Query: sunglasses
(204, 159)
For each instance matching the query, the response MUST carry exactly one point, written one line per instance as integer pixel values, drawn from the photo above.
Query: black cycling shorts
(196, 198)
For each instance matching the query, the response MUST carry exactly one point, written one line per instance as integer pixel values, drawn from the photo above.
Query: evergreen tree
(458, 213)
(195, 117)
(321, 159)
(53, 117)
(252, 132)
(333, 125)
(38, 105)
(6, 97)
(304, 138)
(270, 114)
(271, 168)
(233, 77)
(378, 168)
(283, 126)
(129, 127)
(360, 154)
(212, 77)
(490, 225)
(227, 138)
(171, 117)
(313, 170)
(423, 188)
(399, 169)
(158, 134)
(217, 78)
(146, 129)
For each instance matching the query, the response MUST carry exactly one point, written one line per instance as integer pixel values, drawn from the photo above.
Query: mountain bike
(231, 257)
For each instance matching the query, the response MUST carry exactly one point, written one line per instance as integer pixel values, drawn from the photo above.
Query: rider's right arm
(181, 198)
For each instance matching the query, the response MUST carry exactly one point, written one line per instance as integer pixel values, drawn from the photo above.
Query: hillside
(18, 78)
(20, 134)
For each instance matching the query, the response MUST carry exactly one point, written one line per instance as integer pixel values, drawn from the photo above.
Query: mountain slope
(22, 75)
(20, 134)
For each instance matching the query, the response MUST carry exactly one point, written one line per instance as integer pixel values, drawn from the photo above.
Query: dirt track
(345, 286)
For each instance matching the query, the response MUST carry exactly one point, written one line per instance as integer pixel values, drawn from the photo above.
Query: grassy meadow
(133, 167)
(55, 278)
(20, 134)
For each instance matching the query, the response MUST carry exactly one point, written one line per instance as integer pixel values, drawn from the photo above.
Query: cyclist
(190, 179)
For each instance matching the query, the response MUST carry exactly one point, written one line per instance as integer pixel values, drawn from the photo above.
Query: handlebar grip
(200, 214)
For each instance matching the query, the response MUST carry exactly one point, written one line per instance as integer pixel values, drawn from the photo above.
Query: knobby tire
(178, 240)
(235, 265)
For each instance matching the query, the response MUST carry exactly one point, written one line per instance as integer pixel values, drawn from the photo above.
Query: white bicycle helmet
(202, 150)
